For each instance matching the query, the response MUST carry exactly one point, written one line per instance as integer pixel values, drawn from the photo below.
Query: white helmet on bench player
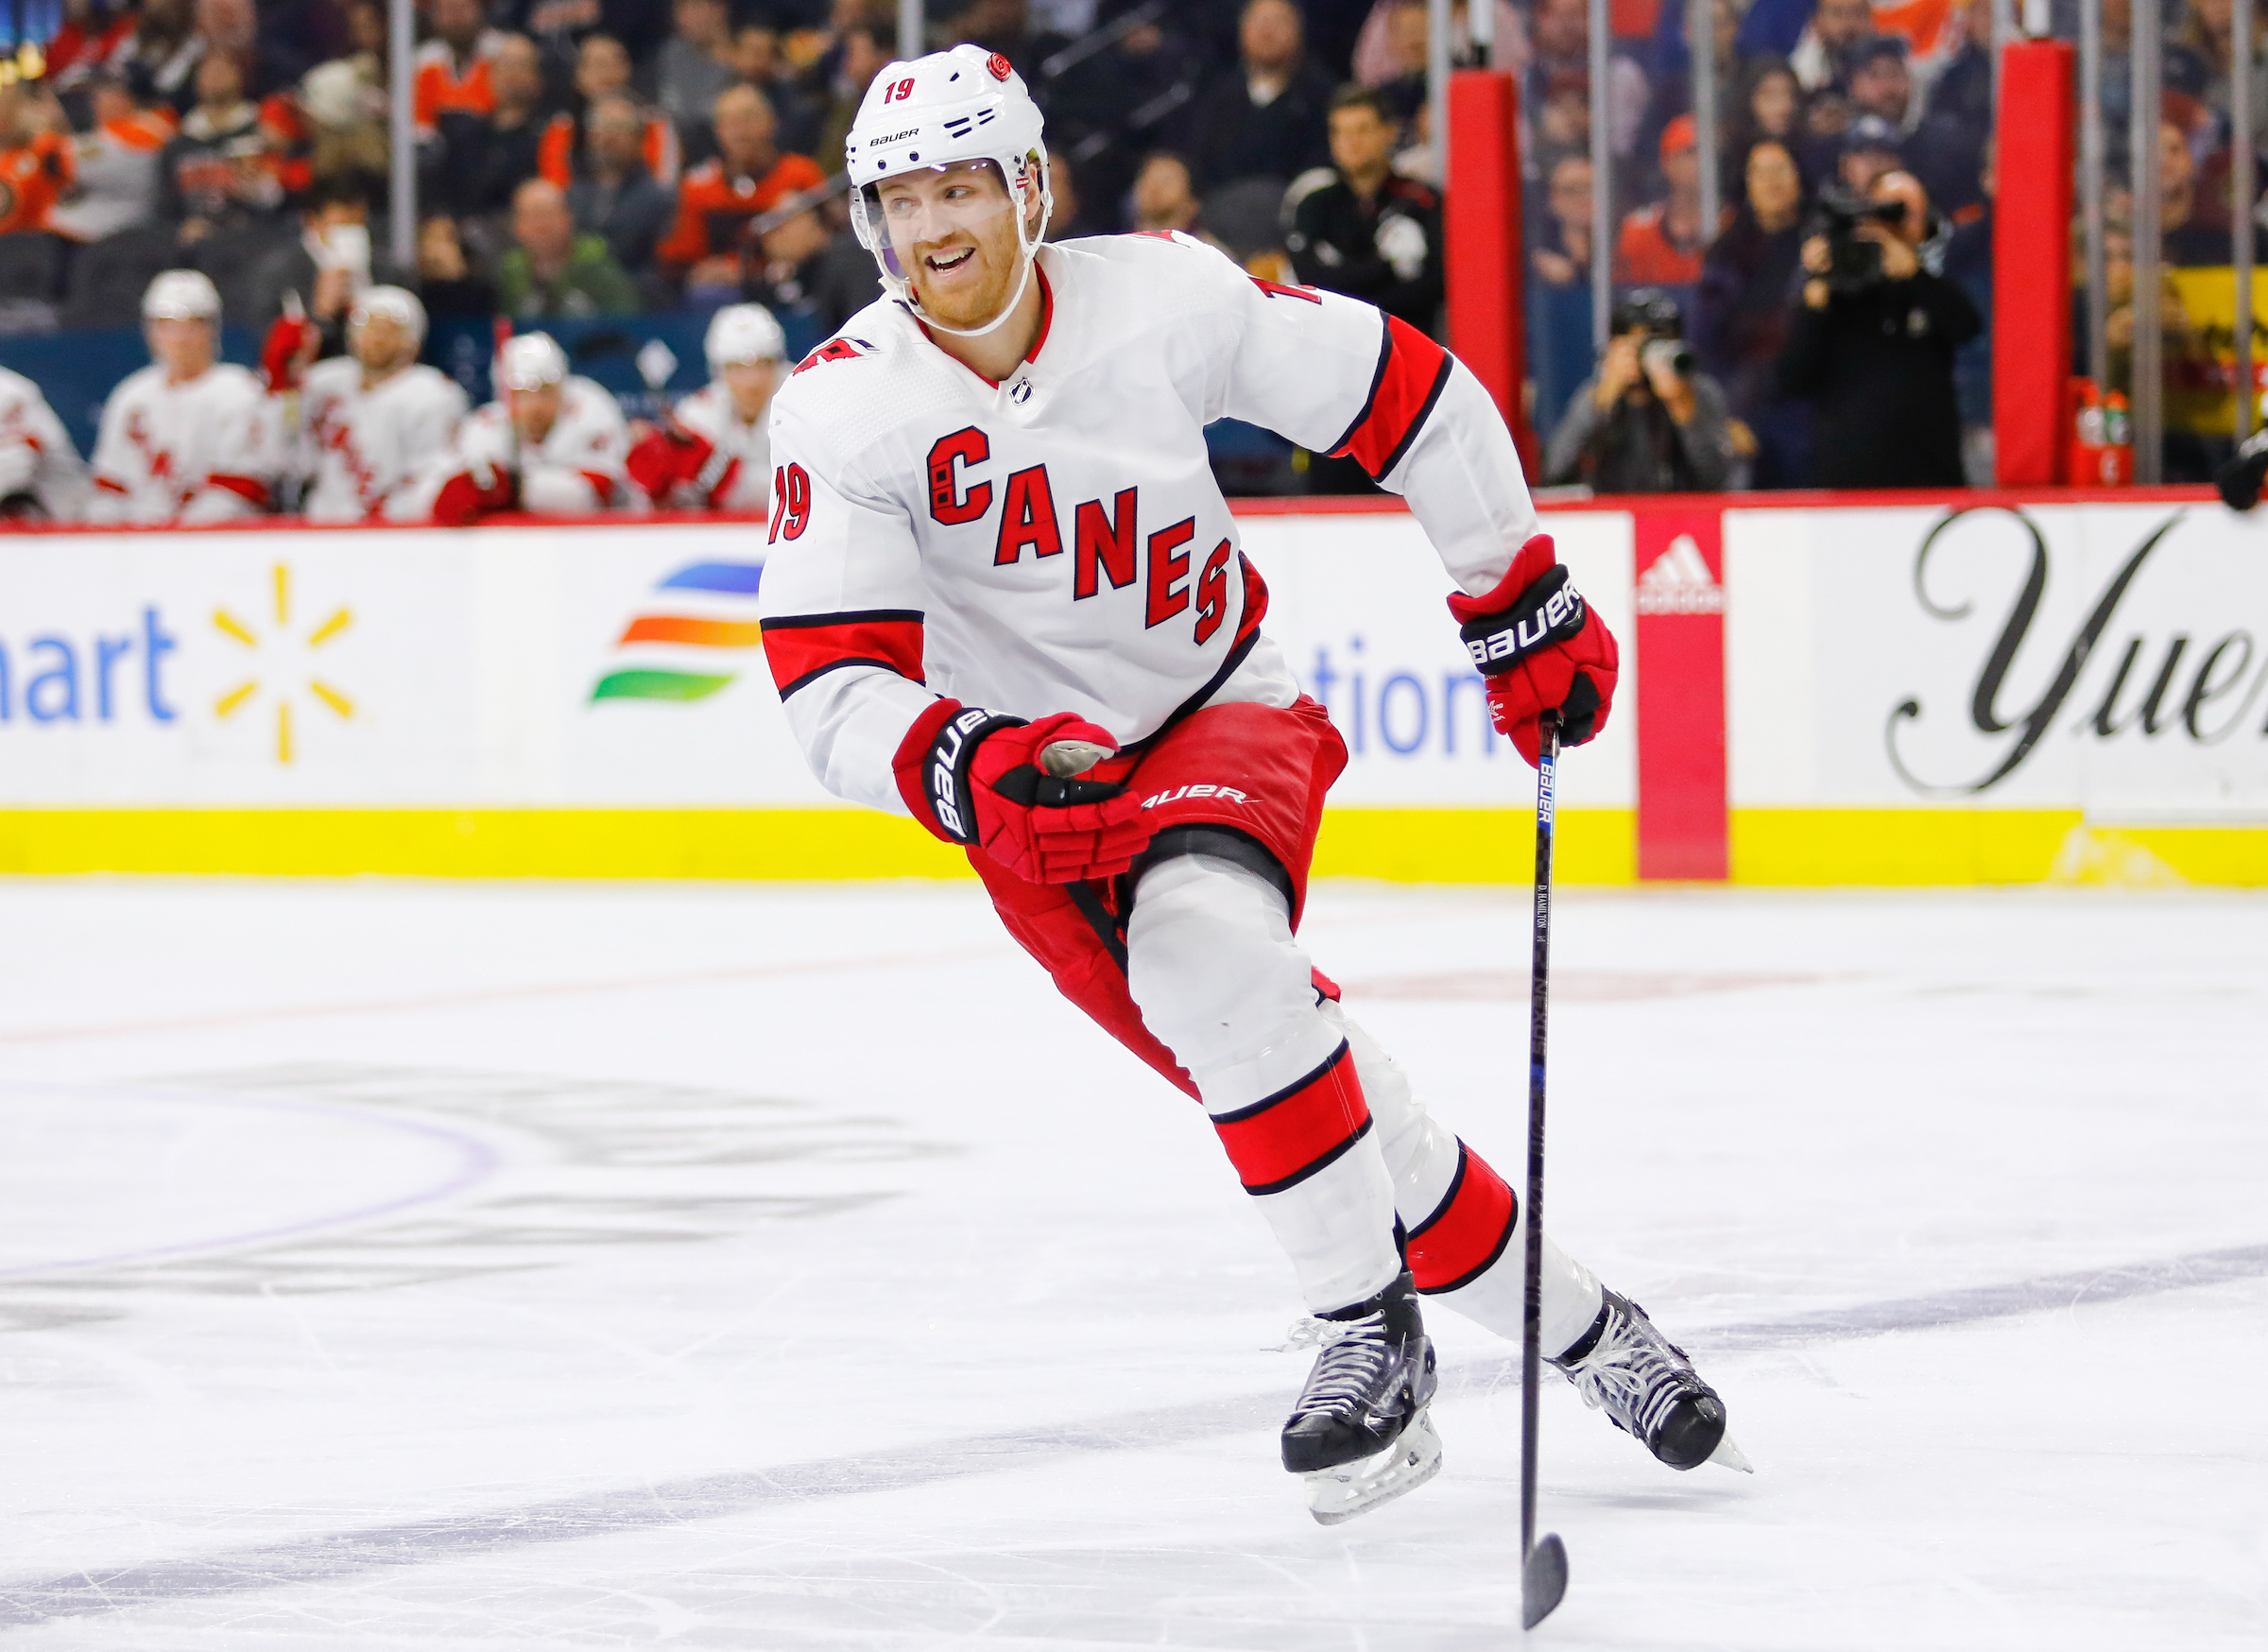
(946, 109)
(743, 333)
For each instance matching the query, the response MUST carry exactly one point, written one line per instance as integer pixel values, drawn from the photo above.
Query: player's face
(381, 344)
(534, 412)
(750, 384)
(953, 235)
(183, 347)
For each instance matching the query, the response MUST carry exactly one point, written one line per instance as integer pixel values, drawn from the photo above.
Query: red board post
(1680, 642)
(2032, 411)
(1483, 258)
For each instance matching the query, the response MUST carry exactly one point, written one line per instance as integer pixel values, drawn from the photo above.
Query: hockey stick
(1543, 1565)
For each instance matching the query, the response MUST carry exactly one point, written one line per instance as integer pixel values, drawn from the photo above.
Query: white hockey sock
(1211, 964)
(1457, 1236)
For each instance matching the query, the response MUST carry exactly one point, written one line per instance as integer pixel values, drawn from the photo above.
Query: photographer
(1874, 339)
(1645, 421)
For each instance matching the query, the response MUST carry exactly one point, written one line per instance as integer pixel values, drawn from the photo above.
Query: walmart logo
(283, 661)
(702, 618)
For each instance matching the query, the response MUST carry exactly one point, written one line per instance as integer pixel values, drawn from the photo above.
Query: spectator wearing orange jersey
(602, 69)
(36, 161)
(116, 160)
(452, 75)
(717, 199)
(1661, 243)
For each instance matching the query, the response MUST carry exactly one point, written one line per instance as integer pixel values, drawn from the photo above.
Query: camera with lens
(1854, 264)
(1654, 313)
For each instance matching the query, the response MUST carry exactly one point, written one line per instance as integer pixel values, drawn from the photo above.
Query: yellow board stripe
(1799, 847)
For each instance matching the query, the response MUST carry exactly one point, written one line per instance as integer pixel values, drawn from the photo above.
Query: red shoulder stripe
(1412, 370)
(804, 647)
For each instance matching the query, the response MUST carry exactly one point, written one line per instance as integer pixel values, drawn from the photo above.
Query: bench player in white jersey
(552, 442)
(41, 476)
(188, 440)
(374, 422)
(1003, 595)
(715, 451)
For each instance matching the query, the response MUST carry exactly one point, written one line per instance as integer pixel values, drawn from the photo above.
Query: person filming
(1646, 422)
(1873, 342)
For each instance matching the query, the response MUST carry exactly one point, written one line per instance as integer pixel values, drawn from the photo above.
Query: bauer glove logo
(1548, 611)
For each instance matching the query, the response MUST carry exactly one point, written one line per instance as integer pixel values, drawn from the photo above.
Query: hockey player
(187, 439)
(375, 422)
(712, 452)
(41, 476)
(1003, 595)
(552, 442)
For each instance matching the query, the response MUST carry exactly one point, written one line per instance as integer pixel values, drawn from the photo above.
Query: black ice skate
(1649, 1388)
(1360, 1435)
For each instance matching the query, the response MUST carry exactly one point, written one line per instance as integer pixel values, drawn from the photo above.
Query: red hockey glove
(1542, 649)
(471, 494)
(674, 458)
(279, 353)
(975, 778)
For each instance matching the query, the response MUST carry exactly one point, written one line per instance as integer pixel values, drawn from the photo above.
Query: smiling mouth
(946, 263)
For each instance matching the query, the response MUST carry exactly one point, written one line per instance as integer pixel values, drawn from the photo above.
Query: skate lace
(1354, 1356)
(1633, 1372)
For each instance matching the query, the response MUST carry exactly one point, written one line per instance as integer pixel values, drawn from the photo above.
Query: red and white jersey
(36, 451)
(209, 450)
(746, 486)
(1056, 542)
(363, 451)
(577, 469)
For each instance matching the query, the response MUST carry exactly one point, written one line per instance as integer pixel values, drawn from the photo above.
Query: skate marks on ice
(332, 1556)
(544, 1168)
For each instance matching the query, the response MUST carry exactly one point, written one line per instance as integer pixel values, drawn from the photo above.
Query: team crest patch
(999, 65)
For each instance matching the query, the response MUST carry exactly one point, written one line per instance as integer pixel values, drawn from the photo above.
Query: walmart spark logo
(704, 615)
(276, 681)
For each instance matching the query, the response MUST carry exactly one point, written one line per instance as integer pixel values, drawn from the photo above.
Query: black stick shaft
(1531, 1352)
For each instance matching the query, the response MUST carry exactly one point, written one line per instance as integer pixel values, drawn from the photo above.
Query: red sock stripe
(803, 646)
(1280, 1142)
(1410, 378)
(1462, 1239)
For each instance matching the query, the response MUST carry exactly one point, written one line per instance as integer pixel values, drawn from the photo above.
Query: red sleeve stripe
(1463, 1238)
(243, 487)
(803, 647)
(1278, 1142)
(1412, 372)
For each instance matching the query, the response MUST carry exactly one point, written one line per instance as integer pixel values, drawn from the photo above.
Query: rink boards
(1816, 690)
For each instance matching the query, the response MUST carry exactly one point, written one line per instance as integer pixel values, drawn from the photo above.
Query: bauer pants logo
(1225, 794)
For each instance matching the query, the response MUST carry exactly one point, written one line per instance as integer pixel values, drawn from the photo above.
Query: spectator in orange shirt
(36, 164)
(602, 69)
(717, 200)
(1660, 243)
(452, 76)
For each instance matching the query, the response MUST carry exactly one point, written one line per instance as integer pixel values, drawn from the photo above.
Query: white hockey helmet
(397, 303)
(953, 107)
(528, 361)
(743, 333)
(181, 295)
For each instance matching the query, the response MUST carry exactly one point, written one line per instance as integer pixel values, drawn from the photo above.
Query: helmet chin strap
(1028, 251)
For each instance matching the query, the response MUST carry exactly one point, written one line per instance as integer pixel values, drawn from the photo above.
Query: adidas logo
(1678, 582)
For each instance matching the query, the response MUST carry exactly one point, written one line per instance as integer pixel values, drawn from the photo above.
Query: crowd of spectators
(584, 158)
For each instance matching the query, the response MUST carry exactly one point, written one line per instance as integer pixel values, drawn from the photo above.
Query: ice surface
(390, 1264)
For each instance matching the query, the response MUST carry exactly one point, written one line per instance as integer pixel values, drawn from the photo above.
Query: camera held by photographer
(1873, 343)
(1645, 421)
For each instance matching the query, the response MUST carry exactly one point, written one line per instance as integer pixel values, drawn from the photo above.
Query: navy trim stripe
(1378, 377)
(1424, 412)
(1465, 1279)
(1241, 1113)
(1455, 1183)
(808, 622)
(813, 676)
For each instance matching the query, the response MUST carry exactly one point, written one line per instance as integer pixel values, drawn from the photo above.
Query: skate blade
(1334, 1496)
(1729, 1455)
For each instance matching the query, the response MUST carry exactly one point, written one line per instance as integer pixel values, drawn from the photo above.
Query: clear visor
(915, 215)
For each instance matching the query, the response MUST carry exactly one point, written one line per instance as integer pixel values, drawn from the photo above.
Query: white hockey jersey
(37, 456)
(746, 486)
(577, 469)
(1056, 542)
(210, 450)
(363, 453)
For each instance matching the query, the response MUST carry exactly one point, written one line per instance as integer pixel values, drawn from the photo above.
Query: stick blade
(1542, 1579)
